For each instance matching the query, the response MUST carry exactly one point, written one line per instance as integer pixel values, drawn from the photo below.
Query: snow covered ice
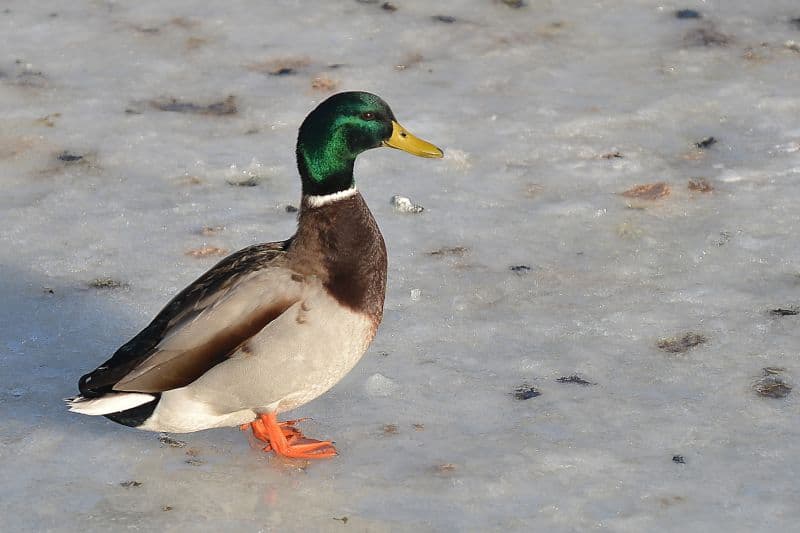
(128, 128)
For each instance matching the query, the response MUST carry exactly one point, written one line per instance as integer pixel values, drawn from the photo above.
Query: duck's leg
(287, 426)
(285, 439)
(260, 432)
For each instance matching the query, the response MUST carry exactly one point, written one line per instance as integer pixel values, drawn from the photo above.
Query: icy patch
(457, 159)
(249, 176)
(789, 148)
(402, 204)
(380, 385)
(527, 262)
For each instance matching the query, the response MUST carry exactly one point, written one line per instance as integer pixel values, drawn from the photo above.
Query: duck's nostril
(403, 134)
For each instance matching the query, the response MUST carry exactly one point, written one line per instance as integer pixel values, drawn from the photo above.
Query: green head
(340, 128)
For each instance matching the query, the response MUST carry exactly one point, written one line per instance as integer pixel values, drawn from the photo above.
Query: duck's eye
(369, 115)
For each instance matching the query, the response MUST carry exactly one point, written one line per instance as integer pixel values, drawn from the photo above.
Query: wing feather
(203, 324)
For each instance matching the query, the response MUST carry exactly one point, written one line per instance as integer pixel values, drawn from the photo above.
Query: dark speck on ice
(166, 440)
(252, 181)
(706, 37)
(705, 142)
(68, 157)
(687, 14)
(105, 283)
(450, 250)
(223, 107)
(785, 311)
(285, 71)
(526, 392)
(683, 343)
(700, 185)
(772, 384)
(576, 379)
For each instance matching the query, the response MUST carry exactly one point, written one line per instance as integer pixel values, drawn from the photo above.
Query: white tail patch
(112, 402)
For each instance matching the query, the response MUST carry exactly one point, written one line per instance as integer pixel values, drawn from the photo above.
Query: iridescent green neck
(324, 172)
(324, 158)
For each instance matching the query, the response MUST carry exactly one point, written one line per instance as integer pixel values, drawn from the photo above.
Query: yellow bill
(403, 140)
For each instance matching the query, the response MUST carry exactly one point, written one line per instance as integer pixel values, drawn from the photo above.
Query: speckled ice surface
(525, 102)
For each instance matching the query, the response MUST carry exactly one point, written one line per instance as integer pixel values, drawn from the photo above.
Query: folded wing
(203, 325)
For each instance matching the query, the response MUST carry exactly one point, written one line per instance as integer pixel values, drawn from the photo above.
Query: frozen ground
(525, 102)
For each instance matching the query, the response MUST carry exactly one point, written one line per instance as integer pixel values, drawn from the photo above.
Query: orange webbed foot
(285, 439)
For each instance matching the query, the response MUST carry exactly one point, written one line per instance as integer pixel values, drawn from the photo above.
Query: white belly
(295, 358)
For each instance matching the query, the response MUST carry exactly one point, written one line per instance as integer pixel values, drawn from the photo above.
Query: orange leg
(288, 426)
(285, 439)
(260, 431)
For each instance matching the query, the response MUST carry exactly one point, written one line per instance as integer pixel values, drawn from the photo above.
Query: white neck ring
(325, 199)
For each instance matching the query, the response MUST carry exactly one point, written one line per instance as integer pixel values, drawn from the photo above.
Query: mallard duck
(273, 326)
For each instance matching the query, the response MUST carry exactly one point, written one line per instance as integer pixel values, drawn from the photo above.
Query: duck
(274, 325)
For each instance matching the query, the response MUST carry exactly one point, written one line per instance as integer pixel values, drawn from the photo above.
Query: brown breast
(341, 244)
